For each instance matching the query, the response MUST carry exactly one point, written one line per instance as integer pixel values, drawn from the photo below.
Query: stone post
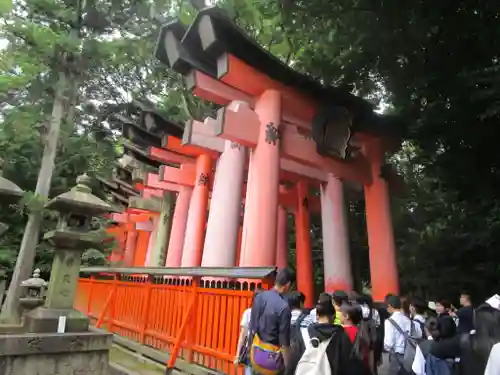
(54, 338)
(71, 238)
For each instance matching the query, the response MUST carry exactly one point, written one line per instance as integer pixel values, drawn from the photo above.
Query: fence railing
(189, 312)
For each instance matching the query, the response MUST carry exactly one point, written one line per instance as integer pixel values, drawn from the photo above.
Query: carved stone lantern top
(80, 200)
(9, 191)
(35, 282)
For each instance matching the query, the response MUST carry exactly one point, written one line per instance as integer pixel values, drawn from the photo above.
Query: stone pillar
(336, 256)
(197, 215)
(178, 232)
(282, 241)
(162, 233)
(261, 222)
(149, 262)
(305, 272)
(224, 216)
(383, 262)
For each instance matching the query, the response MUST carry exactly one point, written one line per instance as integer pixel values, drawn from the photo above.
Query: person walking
(270, 327)
(394, 338)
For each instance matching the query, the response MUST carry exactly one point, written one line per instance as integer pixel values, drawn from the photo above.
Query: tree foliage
(435, 65)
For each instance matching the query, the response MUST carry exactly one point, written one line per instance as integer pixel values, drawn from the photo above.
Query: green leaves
(5, 6)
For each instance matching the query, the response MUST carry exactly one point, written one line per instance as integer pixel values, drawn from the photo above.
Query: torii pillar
(147, 229)
(383, 263)
(282, 240)
(336, 255)
(223, 224)
(154, 187)
(224, 218)
(199, 178)
(138, 225)
(183, 188)
(259, 248)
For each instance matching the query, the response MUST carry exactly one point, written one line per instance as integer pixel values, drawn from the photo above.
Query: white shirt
(245, 319)
(313, 316)
(394, 341)
(418, 322)
(493, 365)
(306, 322)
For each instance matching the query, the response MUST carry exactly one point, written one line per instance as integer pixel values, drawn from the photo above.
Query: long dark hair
(487, 323)
(355, 315)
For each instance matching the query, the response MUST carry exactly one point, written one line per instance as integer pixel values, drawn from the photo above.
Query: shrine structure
(209, 200)
(325, 137)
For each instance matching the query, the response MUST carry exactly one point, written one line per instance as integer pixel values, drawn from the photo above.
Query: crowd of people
(345, 334)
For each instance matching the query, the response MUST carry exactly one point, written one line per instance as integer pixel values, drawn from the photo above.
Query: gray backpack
(411, 344)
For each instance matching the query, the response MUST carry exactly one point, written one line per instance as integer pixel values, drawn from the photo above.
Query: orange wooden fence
(181, 311)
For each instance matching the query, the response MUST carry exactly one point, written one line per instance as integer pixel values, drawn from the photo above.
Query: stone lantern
(9, 191)
(72, 236)
(33, 291)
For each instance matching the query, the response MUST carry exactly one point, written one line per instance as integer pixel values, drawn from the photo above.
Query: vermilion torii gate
(281, 114)
(175, 179)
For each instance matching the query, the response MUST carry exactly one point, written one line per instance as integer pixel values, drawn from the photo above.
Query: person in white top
(243, 337)
(242, 340)
(493, 365)
(417, 309)
(394, 341)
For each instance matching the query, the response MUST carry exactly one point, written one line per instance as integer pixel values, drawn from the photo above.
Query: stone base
(46, 320)
(84, 353)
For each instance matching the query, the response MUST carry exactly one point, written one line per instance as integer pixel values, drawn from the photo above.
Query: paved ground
(133, 364)
(384, 368)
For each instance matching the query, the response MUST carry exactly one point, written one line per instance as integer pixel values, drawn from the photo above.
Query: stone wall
(55, 354)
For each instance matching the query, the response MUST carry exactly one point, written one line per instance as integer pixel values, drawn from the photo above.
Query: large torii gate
(289, 115)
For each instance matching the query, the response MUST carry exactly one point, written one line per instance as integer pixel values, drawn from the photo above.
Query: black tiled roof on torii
(213, 33)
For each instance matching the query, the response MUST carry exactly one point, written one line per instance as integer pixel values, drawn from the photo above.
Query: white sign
(61, 324)
(494, 301)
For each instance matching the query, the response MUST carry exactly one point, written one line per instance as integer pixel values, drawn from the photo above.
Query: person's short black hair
(366, 299)
(285, 276)
(445, 303)
(325, 297)
(325, 309)
(340, 297)
(394, 301)
(294, 300)
(467, 295)
(419, 305)
(302, 297)
(353, 296)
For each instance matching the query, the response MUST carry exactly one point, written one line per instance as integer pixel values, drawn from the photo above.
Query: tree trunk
(26, 258)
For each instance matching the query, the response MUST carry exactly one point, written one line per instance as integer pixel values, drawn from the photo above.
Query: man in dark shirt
(465, 314)
(271, 315)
